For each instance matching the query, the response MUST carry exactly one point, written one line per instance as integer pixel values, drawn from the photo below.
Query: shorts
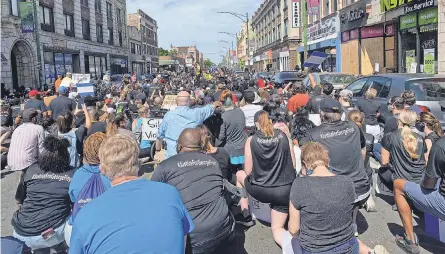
(37, 242)
(277, 197)
(430, 201)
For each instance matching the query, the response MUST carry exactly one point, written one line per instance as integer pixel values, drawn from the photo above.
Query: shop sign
(345, 36)
(428, 17)
(353, 34)
(419, 6)
(296, 14)
(387, 5)
(352, 15)
(429, 44)
(371, 32)
(408, 21)
(313, 7)
(26, 17)
(429, 61)
(322, 29)
(410, 61)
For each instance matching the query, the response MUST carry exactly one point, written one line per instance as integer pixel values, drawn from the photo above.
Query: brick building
(85, 36)
(148, 28)
(190, 54)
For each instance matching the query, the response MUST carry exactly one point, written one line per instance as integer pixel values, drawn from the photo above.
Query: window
(286, 22)
(382, 85)
(110, 36)
(99, 33)
(109, 16)
(69, 25)
(273, 35)
(279, 32)
(84, 2)
(118, 14)
(335, 6)
(46, 19)
(97, 6)
(14, 7)
(356, 87)
(120, 38)
(86, 29)
(427, 89)
(138, 49)
(285, 4)
(132, 48)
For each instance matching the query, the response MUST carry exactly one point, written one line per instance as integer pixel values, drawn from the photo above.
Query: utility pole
(37, 35)
(304, 21)
(247, 32)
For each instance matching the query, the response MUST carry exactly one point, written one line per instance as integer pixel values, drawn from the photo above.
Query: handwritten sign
(150, 128)
(80, 78)
(169, 102)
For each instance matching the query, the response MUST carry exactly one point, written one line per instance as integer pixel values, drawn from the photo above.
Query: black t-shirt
(344, 141)
(35, 104)
(97, 127)
(46, 202)
(326, 205)
(313, 105)
(433, 137)
(404, 167)
(436, 164)
(370, 108)
(198, 178)
(272, 160)
(60, 104)
(391, 125)
(223, 159)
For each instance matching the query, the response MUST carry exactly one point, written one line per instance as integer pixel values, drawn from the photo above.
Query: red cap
(107, 101)
(33, 93)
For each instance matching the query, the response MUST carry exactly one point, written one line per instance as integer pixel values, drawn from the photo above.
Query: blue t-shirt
(139, 216)
(81, 177)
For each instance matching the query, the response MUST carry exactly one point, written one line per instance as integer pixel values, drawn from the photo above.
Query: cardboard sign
(80, 78)
(150, 128)
(169, 102)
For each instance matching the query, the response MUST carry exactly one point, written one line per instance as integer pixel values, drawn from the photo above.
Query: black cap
(330, 105)
(29, 114)
(249, 94)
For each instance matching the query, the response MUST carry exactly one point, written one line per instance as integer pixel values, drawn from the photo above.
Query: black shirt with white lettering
(370, 109)
(198, 179)
(436, 164)
(45, 201)
(344, 141)
(313, 105)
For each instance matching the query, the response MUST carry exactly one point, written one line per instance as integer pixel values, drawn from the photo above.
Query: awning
(318, 45)
(167, 62)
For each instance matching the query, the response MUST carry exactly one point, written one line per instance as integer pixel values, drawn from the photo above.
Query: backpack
(92, 189)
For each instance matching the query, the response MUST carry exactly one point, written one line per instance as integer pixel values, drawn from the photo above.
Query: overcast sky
(189, 22)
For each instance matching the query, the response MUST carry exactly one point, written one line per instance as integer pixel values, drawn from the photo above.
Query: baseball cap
(33, 93)
(63, 89)
(330, 105)
(29, 114)
(346, 93)
(249, 94)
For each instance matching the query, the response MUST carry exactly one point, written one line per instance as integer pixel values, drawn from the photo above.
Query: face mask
(228, 102)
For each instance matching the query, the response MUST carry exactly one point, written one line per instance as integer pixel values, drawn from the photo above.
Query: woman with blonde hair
(371, 109)
(269, 170)
(432, 129)
(403, 150)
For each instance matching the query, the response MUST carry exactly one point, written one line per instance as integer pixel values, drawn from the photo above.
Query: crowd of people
(226, 142)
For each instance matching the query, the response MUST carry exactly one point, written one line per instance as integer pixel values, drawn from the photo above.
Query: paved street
(375, 228)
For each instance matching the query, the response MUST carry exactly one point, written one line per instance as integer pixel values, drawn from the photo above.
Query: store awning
(318, 45)
(167, 62)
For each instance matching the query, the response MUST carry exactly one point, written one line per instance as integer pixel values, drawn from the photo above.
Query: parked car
(281, 78)
(339, 80)
(429, 90)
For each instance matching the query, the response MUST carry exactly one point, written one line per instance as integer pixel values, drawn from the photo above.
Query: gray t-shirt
(326, 205)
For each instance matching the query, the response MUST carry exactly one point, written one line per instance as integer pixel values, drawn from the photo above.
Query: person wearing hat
(338, 137)
(61, 103)
(26, 141)
(313, 105)
(35, 103)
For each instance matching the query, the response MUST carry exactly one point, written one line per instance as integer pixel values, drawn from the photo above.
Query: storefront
(95, 64)
(322, 37)
(418, 35)
(366, 47)
(119, 64)
(57, 63)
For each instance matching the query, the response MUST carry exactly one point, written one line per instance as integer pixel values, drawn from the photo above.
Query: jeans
(37, 242)
(377, 151)
(430, 201)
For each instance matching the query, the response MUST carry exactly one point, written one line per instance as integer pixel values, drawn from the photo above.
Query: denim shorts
(429, 201)
(37, 242)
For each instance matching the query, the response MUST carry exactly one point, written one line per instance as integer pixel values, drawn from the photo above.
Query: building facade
(86, 36)
(277, 28)
(441, 38)
(149, 36)
(245, 54)
(136, 60)
(190, 54)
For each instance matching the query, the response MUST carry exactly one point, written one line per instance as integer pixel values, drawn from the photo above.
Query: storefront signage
(429, 44)
(313, 7)
(353, 34)
(429, 61)
(371, 32)
(387, 5)
(58, 58)
(428, 17)
(352, 15)
(26, 17)
(322, 29)
(419, 6)
(296, 13)
(408, 21)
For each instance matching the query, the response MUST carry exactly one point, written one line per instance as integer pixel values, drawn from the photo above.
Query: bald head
(183, 98)
(158, 101)
(189, 140)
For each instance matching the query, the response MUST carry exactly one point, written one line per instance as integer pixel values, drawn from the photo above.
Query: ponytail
(409, 142)
(437, 128)
(431, 122)
(265, 124)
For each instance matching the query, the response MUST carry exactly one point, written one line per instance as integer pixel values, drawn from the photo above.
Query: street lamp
(231, 34)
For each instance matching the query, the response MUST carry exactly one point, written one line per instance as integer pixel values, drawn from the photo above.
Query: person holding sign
(182, 117)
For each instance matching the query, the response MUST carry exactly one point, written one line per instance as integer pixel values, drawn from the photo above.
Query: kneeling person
(199, 180)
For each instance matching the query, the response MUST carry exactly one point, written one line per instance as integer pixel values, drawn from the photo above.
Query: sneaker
(380, 249)
(244, 218)
(394, 207)
(407, 245)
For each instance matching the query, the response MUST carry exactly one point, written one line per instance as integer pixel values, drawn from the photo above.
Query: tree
(208, 63)
(162, 52)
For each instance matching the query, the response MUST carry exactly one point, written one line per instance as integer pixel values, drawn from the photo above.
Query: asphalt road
(374, 228)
